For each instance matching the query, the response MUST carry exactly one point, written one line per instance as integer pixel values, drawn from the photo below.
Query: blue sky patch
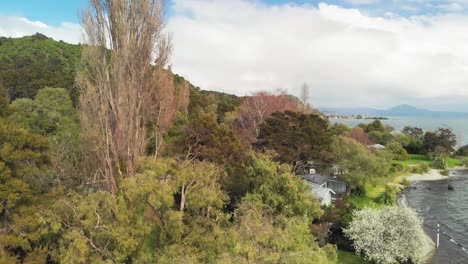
(53, 12)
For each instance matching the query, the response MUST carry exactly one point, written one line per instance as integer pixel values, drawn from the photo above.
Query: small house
(323, 194)
(377, 146)
(332, 182)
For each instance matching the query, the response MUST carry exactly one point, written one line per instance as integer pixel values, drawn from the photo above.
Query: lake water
(459, 125)
(439, 205)
(433, 200)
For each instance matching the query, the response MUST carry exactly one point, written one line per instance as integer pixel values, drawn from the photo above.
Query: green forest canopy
(30, 63)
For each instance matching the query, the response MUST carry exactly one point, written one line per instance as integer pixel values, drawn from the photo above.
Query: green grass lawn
(417, 159)
(374, 191)
(451, 162)
(362, 202)
(345, 257)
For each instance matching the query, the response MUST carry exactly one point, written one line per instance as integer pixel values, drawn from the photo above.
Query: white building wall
(326, 201)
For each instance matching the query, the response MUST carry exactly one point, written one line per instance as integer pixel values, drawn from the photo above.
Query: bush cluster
(420, 169)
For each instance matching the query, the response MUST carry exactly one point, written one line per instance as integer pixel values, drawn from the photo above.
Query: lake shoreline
(432, 175)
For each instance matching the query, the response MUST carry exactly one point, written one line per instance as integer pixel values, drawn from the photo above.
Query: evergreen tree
(23, 160)
(297, 138)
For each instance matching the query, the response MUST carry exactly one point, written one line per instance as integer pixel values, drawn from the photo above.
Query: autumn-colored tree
(360, 136)
(124, 84)
(170, 99)
(254, 110)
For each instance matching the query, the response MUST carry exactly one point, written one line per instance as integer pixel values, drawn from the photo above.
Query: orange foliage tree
(254, 110)
(360, 136)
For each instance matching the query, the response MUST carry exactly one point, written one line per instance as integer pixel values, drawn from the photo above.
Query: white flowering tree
(387, 235)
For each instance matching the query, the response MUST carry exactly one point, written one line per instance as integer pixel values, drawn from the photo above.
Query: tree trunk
(182, 198)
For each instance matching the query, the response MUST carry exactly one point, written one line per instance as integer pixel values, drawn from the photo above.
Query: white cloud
(347, 57)
(362, 2)
(452, 7)
(14, 26)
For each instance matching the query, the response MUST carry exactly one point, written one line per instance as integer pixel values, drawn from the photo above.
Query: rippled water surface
(437, 204)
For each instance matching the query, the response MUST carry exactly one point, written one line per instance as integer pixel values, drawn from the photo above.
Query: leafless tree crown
(125, 83)
(305, 93)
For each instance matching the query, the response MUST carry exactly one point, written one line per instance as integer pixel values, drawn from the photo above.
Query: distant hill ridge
(400, 110)
(30, 63)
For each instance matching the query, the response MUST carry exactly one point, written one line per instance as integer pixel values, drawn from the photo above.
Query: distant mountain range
(400, 110)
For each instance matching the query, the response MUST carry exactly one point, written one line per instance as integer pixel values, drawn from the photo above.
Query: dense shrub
(420, 169)
(396, 167)
(465, 162)
(405, 182)
(359, 191)
(439, 163)
(462, 151)
(388, 197)
(387, 235)
(397, 151)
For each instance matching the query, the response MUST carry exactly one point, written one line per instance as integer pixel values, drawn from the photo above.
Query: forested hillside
(30, 63)
(34, 62)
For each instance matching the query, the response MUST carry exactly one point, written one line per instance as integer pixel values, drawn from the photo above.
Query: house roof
(321, 192)
(377, 146)
(315, 178)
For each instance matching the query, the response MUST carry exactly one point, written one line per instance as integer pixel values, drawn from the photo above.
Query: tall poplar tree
(125, 83)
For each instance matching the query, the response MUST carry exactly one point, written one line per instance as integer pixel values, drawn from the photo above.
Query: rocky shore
(431, 175)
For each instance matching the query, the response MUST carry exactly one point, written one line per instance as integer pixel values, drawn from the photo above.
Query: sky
(352, 53)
